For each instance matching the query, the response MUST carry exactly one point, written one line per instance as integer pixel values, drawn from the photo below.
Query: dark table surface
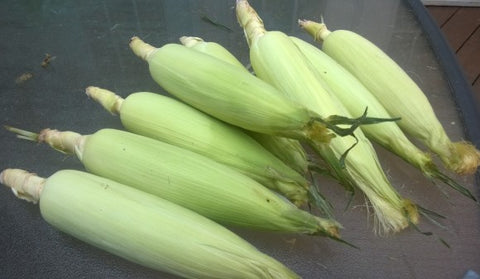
(89, 41)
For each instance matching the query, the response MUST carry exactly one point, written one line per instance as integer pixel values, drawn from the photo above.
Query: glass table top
(88, 44)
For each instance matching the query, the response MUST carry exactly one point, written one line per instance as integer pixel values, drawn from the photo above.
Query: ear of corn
(277, 60)
(188, 179)
(163, 118)
(355, 97)
(397, 92)
(290, 151)
(235, 96)
(142, 228)
(187, 74)
(221, 53)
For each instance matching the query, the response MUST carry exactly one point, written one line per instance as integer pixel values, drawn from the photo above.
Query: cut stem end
(140, 48)
(108, 99)
(25, 185)
(318, 31)
(250, 21)
(63, 141)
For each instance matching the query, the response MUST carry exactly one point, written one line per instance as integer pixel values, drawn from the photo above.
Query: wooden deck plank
(469, 52)
(442, 14)
(469, 56)
(461, 26)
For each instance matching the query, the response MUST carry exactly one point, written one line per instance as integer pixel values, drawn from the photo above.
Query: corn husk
(186, 178)
(168, 120)
(233, 95)
(355, 97)
(276, 59)
(140, 227)
(397, 92)
(290, 151)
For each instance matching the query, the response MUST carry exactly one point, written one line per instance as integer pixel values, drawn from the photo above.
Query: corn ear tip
(329, 227)
(411, 211)
(334, 232)
(469, 159)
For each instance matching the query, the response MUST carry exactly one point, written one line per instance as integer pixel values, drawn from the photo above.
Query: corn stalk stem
(108, 99)
(318, 31)
(140, 48)
(250, 21)
(67, 142)
(25, 185)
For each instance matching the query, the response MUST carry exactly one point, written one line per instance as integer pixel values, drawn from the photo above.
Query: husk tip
(411, 211)
(318, 31)
(468, 158)
(141, 48)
